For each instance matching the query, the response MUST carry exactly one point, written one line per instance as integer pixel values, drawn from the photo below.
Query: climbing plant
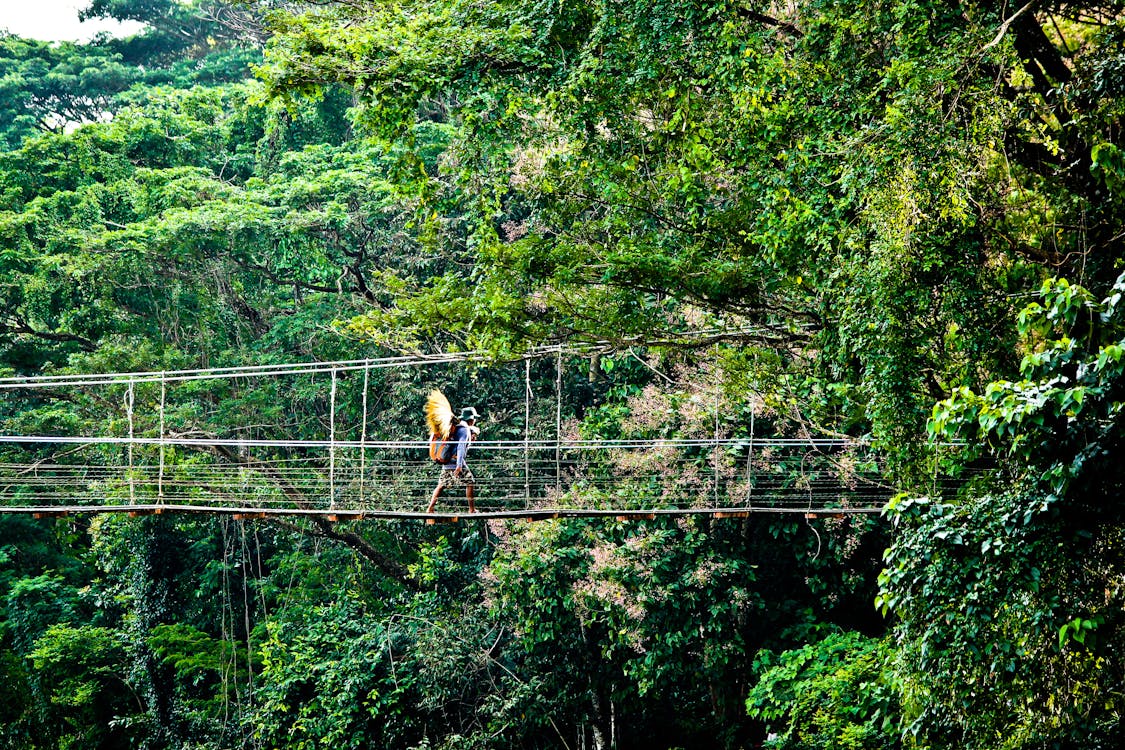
(1014, 588)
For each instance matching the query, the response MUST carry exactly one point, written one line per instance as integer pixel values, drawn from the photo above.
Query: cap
(468, 413)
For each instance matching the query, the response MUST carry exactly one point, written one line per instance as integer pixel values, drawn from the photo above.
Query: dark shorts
(449, 479)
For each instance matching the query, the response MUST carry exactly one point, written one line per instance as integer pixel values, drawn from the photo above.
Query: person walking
(452, 452)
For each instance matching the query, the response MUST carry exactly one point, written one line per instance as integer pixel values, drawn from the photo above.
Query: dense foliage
(898, 221)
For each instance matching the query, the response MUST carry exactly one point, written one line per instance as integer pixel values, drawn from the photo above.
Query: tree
(83, 673)
(837, 180)
(835, 693)
(45, 87)
(1008, 596)
(175, 30)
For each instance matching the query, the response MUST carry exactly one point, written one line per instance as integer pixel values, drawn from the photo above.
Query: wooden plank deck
(362, 514)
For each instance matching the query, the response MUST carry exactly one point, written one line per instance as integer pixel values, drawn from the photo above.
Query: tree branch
(1004, 27)
(785, 26)
(18, 325)
(326, 529)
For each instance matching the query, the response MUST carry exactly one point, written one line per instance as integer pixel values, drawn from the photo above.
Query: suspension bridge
(145, 443)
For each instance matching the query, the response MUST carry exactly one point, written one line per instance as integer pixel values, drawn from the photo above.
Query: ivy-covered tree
(1010, 597)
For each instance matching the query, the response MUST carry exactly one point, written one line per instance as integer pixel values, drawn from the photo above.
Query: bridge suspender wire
(715, 450)
(558, 422)
(363, 436)
(332, 444)
(750, 462)
(129, 395)
(160, 479)
(527, 426)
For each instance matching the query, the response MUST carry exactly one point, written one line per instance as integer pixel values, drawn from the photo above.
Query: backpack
(444, 450)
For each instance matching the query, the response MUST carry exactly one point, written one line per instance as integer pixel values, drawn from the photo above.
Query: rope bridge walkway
(131, 443)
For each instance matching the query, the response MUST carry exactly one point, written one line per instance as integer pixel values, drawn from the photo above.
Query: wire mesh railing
(398, 476)
(297, 437)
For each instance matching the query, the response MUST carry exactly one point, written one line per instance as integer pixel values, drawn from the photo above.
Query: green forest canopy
(898, 221)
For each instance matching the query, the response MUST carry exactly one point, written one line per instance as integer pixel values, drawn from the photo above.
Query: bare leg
(469, 495)
(433, 499)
